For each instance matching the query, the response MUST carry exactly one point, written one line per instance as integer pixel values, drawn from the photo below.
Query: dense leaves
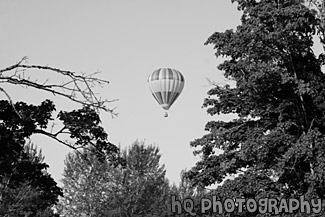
(86, 186)
(100, 189)
(276, 143)
(83, 127)
(26, 189)
(25, 185)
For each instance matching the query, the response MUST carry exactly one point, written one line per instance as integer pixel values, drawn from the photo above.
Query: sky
(125, 41)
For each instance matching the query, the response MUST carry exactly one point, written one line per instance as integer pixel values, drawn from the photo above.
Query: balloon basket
(166, 115)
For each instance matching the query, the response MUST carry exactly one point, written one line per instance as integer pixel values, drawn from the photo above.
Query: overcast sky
(126, 41)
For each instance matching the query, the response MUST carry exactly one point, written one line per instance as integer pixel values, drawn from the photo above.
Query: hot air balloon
(166, 84)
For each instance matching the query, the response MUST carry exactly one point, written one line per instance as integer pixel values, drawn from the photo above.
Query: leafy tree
(137, 189)
(88, 186)
(78, 88)
(27, 190)
(276, 145)
(20, 174)
(185, 190)
(145, 185)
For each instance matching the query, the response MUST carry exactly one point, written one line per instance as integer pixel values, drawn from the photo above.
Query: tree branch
(77, 88)
(10, 101)
(54, 136)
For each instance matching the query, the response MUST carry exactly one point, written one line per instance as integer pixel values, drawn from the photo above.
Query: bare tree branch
(77, 88)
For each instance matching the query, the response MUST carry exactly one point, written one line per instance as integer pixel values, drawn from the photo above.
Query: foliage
(276, 143)
(318, 7)
(138, 189)
(25, 174)
(83, 127)
(145, 186)
(185, 190)
(26, 187)
(86, 186)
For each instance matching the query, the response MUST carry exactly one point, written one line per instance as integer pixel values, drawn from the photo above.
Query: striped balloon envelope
(166, 84)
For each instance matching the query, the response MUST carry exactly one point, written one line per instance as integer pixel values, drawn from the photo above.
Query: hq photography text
(239, 205)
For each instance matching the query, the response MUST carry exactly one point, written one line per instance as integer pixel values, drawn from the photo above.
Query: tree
(19, 121)
(138, 189)
(88, 187)
(76, 87)
(17, 171)
(145, 185)
(185, 190)
(26, 187)
(275, 146)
